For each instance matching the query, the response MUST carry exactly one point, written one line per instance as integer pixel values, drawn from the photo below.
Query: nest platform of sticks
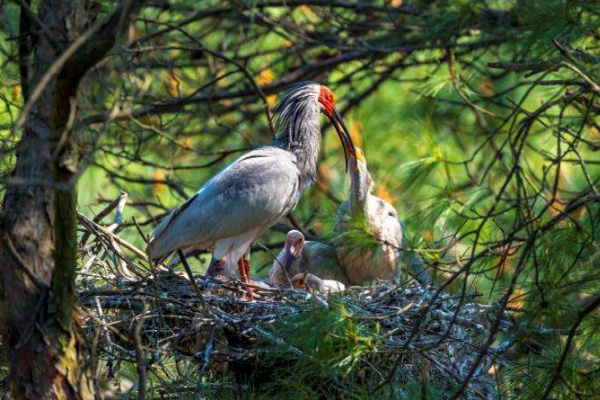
(179, 337)
(367, 339)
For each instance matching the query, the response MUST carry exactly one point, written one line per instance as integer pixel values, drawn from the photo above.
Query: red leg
(247, 271)
(247, 268)
(244, 267)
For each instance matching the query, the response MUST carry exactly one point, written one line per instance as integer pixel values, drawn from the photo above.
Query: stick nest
(373, 340)
(197, 338)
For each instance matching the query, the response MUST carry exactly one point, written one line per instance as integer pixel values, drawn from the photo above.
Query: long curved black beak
(340, 127)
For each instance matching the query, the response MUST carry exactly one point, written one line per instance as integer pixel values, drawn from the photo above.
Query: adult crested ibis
(234, 208)
(305, 257)
(367, 233)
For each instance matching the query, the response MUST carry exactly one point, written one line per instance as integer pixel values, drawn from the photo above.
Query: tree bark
(38, 221)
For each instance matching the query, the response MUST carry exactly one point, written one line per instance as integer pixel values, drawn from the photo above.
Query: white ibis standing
(234, 208)
(301, 257)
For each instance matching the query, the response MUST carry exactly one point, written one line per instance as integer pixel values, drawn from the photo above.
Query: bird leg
(244, 266)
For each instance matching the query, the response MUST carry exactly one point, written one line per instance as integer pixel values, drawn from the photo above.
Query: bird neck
(301, 135)
(360, 187)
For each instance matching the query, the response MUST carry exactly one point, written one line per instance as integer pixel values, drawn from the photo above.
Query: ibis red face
(328, 102)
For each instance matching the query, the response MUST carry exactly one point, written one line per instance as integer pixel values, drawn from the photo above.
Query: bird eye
(391, 214)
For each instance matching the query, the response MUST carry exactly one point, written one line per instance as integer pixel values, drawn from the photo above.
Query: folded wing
(255, 191)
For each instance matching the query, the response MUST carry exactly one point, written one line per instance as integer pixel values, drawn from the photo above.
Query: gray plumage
(249, 196)
(301, 257)
(367, 235)
(234, 208)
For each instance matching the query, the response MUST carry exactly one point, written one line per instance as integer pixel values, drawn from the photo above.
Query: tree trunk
(38, 224)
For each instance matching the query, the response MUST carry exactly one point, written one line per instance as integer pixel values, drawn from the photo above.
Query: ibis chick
(300, 257)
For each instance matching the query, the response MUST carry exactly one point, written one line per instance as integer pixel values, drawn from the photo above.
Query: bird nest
(173, 336)
(402, 339)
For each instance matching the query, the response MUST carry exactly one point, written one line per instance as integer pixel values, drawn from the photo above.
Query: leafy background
(479, 120)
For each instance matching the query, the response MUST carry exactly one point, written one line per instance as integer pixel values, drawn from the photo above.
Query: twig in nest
(139, 352)
(188, 271)
(85, 220)
(118, 203)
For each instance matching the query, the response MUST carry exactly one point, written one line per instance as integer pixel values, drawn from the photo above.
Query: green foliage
(356, 235)
(327, 347)
(479, 121)
(570, 20)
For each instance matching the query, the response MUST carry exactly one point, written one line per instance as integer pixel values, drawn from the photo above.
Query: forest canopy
(478, 120)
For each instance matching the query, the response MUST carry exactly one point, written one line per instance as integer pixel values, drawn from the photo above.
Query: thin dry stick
(139, 352)
(108, 233)
(109, 344)
(21, 263)
(188, 271)
(103, 213)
